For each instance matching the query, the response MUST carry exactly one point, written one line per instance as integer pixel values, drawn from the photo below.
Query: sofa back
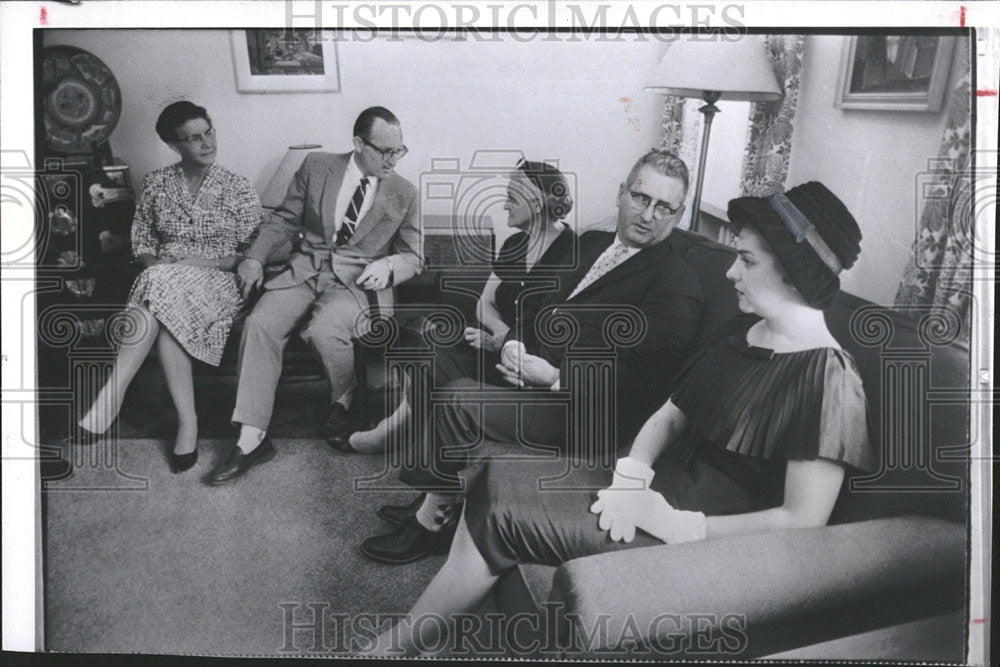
(710, 261)
(915, 372)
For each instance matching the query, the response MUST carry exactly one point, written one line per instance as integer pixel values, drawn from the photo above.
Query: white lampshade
(274, 194)
(698, 64)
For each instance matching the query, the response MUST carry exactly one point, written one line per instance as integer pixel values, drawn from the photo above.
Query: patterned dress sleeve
(144, 236)
(249, 215)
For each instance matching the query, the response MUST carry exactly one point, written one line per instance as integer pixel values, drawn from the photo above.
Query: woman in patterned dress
(763, 423)
(193, 220)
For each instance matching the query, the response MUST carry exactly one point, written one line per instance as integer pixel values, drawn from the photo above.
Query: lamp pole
(709, 111)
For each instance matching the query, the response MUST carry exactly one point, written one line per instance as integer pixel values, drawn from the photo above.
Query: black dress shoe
(408, 543)
(59, 466)
(397, 514)
(236, 463)
(181, 462)
(342, 443)
(338, 423)
(55, 469)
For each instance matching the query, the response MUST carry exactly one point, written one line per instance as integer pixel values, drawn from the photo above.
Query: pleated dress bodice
(749, 411)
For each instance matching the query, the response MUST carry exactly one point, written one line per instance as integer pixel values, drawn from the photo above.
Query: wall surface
(871, 160)
(578, 102)
(558, 100)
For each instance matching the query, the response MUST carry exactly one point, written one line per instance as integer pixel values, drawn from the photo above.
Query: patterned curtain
(672, 124)
(769, 139)
(939, 272)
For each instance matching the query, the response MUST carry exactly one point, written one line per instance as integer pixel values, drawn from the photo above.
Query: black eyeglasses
(661, 210)
(387, 153)
(196, 139)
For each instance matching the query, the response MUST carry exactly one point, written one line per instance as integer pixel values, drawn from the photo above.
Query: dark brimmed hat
(811, 233)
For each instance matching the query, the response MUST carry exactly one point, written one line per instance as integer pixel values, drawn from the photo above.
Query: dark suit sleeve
(407, 256)
(286, 220)
(673, 308)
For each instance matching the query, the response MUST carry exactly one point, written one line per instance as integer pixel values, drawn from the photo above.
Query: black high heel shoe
(60, 466)
(181, 462)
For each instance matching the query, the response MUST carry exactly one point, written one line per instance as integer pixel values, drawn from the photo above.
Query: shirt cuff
(392, 272)
(512, 341)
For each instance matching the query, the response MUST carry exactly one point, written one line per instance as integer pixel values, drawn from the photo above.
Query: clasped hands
(174, 259)
(525, 370)
(629, 503)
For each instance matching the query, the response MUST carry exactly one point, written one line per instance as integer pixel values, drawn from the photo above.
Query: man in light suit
(360, 232)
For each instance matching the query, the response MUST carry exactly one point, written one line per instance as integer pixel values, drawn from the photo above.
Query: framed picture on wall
(279, 60)
(894, 72)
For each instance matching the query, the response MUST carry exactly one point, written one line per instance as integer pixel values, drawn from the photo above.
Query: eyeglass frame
(201, 136)
(634, 202)
(387, 153)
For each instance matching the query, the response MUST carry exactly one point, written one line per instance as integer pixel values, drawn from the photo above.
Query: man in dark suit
(359, 233)
(635, 271)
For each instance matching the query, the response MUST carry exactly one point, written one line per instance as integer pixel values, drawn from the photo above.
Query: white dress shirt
(352, 178)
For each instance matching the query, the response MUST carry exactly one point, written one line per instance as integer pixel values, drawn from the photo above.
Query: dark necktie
(350, 222)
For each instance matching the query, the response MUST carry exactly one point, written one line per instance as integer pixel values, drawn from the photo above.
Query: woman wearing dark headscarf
(538, 200)
(192, 221)
(764, 421)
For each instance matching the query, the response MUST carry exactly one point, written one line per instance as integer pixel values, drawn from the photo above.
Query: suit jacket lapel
(328, 198)
(588, 255)
(631, 266)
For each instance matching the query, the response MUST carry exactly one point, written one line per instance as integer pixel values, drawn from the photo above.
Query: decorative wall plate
(82, 99)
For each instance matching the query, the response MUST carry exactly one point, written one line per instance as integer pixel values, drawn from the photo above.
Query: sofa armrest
(753, 580)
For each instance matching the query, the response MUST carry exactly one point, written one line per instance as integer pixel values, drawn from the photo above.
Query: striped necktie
(350, 222)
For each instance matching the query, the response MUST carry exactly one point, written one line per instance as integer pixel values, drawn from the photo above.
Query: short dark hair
(663, 162)
(175, 115)
(363, 125)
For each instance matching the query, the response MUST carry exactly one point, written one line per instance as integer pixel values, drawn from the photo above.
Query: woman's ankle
(186, 440)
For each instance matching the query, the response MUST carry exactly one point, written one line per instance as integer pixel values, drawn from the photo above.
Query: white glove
(629, 503)
(622, 503)
(669, 525)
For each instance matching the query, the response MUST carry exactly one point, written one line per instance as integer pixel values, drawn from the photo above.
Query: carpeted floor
(141, 560)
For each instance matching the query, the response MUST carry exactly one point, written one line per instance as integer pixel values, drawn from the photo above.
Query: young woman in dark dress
(766, 417)
(526, 268)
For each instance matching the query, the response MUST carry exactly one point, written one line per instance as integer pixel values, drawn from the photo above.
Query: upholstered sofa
(890, 569)
(893, 556)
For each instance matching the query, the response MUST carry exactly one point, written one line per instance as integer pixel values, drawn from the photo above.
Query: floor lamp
(713, 69)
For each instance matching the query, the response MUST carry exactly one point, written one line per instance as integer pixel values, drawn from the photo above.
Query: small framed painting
(894, 72)
(279, 60)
